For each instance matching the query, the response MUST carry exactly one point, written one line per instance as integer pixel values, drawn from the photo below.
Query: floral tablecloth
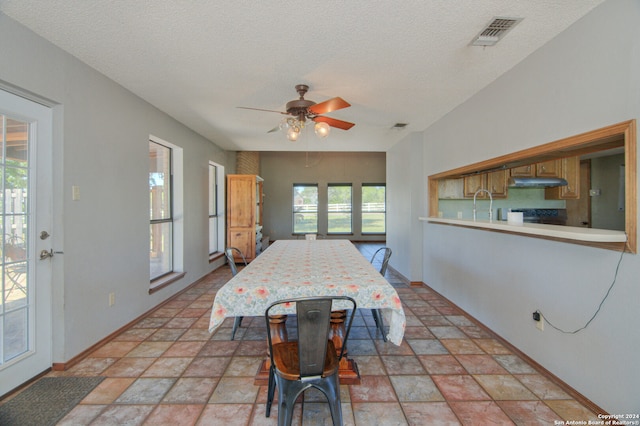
(304, 268)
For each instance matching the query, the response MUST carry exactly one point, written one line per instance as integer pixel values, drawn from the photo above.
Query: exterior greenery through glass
(374, 209)
(339, 209)
(305, 208)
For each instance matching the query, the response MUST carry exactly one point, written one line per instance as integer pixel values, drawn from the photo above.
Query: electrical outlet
(539, 319)
(459, 215)
(112, 299)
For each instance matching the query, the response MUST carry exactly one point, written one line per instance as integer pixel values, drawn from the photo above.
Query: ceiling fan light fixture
(293, 133)
(284, 125)
(322, 129)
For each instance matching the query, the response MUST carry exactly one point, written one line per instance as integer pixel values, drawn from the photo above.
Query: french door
(25, 225)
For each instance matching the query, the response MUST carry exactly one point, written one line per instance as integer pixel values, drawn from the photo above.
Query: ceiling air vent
(399, 126)
(493, 32)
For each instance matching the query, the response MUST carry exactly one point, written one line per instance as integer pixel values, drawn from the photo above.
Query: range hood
(536, 182)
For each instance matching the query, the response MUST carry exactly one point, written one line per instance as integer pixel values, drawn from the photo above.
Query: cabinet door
(549, 168)
(241, 214)
(497, 184)
(241, 201)
(244, 241)
(569, 170)
(524, 171)
(473, 184)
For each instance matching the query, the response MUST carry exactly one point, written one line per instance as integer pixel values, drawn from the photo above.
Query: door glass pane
(14, 202)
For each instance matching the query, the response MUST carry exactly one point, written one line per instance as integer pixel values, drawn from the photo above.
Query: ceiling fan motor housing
(299, 106)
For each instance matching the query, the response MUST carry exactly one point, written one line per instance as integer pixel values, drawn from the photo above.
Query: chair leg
(331, 389)
(377, 317)
(270, 390)
(236, 324)
(288, 392)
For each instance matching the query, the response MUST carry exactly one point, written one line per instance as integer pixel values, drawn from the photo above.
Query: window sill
(215, 256)
(162, 282)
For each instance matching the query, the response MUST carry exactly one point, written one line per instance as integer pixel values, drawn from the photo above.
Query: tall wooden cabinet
(244, 214)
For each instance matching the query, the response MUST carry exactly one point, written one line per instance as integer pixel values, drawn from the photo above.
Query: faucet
(490, 203)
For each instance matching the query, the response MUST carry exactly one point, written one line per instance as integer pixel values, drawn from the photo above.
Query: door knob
(44, 254)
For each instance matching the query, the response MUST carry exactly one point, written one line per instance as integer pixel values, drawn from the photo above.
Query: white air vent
(493, 32)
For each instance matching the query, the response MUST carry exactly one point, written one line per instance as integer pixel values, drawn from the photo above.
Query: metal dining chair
(229, 253)
(15, 254)
(377, 314)
(311, 361)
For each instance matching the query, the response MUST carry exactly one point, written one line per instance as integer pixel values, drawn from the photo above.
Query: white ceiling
(395, 61)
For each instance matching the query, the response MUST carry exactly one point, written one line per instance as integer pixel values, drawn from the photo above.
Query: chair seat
(287, 363)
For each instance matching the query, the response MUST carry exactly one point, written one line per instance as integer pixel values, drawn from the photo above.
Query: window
(374, 209)
(305, 209)
(339, 209)
(216, 207)
(160, 202)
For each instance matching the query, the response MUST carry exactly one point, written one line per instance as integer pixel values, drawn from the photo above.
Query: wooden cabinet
(495, 182)
(244, 214)
(569, 170)
(524, 171)
(549, 168)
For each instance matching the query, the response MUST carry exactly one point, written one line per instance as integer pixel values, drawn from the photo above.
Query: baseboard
(539, 368)
(63, 366)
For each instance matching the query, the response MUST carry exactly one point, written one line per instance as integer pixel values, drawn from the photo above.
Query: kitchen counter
(537, 229)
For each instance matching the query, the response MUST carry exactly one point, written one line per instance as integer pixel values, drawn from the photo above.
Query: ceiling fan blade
(332, 104)
(339, 124)
(260, 109)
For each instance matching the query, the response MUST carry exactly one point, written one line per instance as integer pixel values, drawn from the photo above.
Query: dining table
(309, 268)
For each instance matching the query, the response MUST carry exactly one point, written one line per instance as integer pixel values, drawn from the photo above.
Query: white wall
(586, 78)
(101, 145)
(406, 202)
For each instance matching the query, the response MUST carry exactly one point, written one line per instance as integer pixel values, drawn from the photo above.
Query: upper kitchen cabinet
(244, 214)
(569, 170)
(495, 182)
(550, 168)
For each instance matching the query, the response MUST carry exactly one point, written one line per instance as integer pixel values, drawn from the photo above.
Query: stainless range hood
(536, 182)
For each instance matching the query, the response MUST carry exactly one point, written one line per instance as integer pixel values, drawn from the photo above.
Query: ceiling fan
(301, 110)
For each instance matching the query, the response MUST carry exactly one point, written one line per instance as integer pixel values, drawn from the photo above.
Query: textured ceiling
(394, 61)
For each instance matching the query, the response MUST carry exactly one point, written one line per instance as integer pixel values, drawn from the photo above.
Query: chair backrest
(385, 259)
(228, 252)
(313, 317)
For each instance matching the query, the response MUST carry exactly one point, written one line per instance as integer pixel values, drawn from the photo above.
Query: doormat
(46, 401)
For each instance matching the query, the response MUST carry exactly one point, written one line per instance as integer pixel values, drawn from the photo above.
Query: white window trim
(177, 160)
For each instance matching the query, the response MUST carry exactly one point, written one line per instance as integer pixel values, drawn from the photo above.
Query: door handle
(44, 254)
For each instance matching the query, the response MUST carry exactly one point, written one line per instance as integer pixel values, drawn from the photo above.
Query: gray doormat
(46, 401)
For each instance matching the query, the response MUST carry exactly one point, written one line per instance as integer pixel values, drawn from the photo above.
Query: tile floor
(168, 370)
